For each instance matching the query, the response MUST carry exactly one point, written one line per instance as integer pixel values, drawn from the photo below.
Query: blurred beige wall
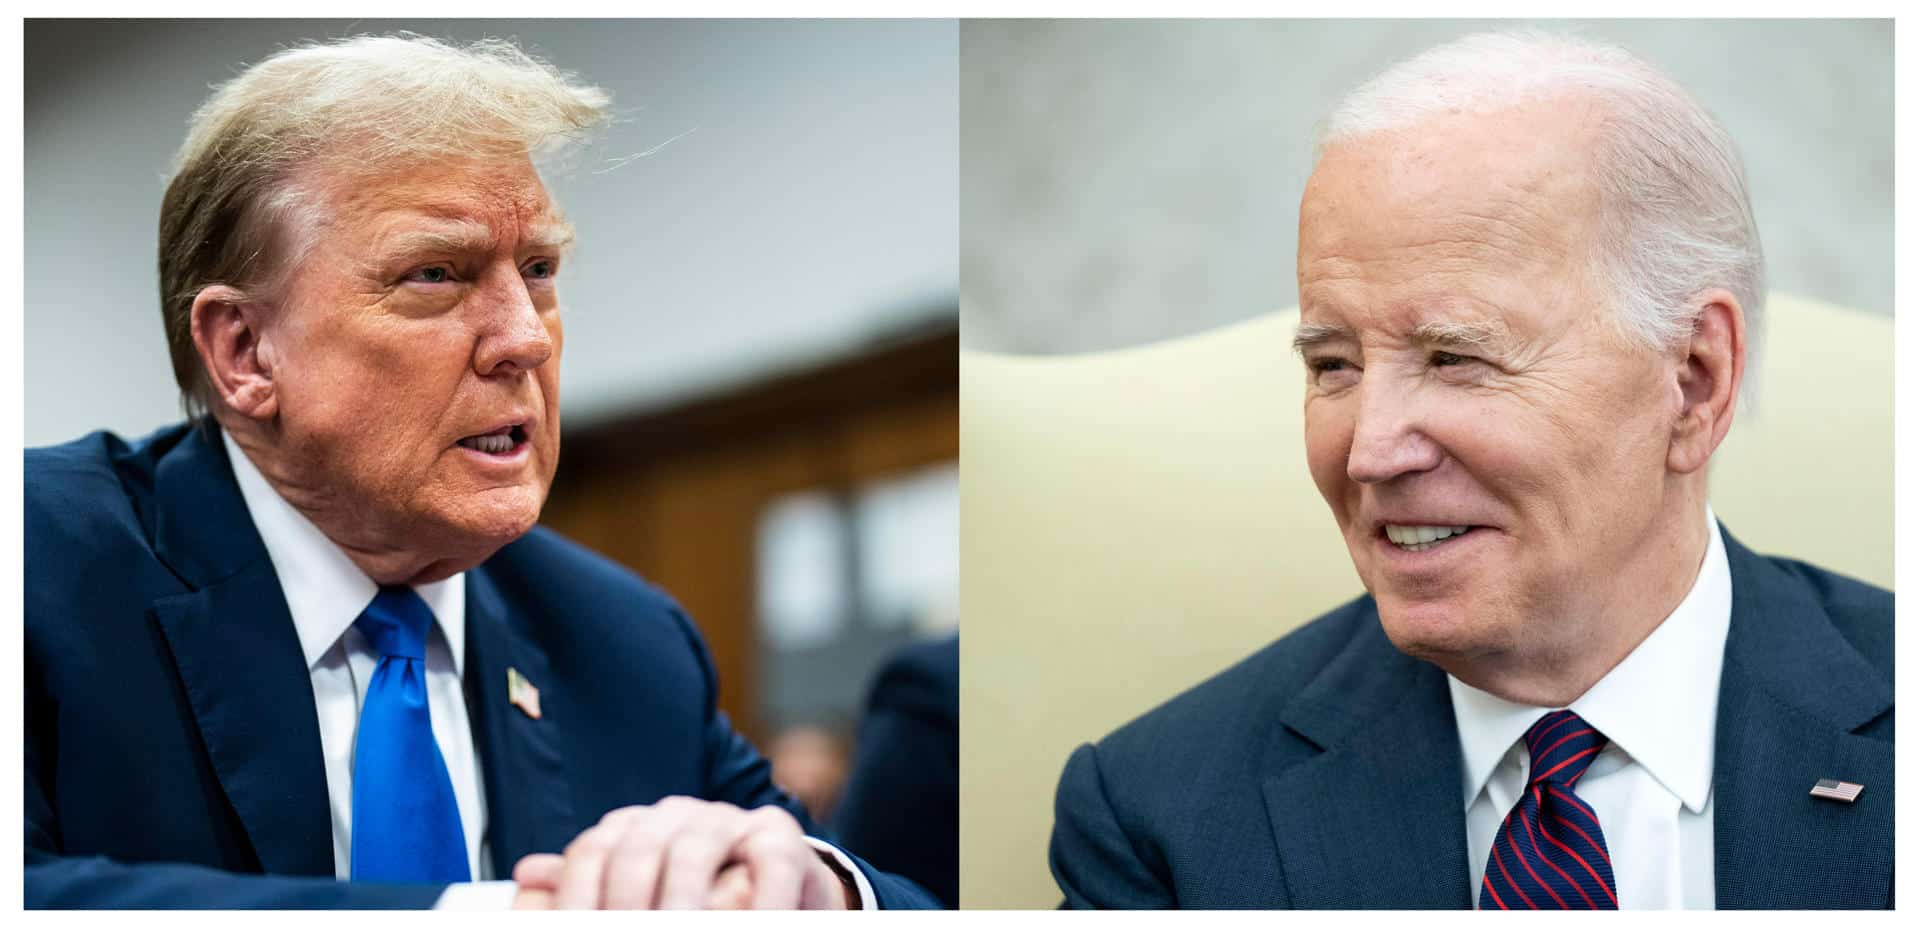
(1134, 521)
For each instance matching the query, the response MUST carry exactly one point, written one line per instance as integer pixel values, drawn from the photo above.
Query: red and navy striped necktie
(1550, 853)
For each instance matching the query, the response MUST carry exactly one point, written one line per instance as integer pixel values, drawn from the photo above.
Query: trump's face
(416, 360)
(1492, 449)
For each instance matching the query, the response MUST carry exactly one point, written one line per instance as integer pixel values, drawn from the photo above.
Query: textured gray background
(808, 204)
(1125, 182)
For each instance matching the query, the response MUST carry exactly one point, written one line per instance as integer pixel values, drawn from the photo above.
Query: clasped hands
(683, 853)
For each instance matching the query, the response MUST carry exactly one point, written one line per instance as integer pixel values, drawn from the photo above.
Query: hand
(538, 874)
(733, 889)
(683, 853)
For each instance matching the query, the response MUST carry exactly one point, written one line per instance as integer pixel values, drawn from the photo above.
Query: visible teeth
(1422, 536)
(490, 443)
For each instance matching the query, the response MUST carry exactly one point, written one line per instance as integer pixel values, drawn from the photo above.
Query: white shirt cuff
(498, 894)
(867, 899)
(487, 895)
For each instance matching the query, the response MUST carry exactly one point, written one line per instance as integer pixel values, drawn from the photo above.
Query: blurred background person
(810, 763)
(902, 803)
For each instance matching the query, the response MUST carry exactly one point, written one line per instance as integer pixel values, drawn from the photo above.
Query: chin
(1431, 630)
(504, 525)
(495, 518)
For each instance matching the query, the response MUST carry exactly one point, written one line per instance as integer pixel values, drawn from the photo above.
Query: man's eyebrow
(1312, 335)
(463, 237)
(455, 237)
(1477, 335)
(554, 234)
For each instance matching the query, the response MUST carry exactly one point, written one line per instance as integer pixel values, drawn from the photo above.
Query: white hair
(1675, 218)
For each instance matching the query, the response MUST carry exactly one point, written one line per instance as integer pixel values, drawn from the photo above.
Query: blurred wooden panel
(677, 494)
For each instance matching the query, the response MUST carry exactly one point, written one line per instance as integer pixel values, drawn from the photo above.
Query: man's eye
(1449, 359)
(431, 275)
(539, 268)
(1321, 364)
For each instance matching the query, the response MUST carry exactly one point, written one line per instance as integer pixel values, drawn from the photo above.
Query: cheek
(1490, 436)
(1597, 430)
(388, 396)
(1572, 467)
(1329, 432)
(549, 374)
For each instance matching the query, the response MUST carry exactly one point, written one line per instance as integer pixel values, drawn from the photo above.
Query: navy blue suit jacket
(173, 757)
(1324, 771)
(902, 805)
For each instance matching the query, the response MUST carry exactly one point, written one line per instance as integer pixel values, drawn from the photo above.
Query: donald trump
(309, 648)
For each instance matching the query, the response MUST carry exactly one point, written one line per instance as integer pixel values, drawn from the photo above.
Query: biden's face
(416, 359)
(1492, 449)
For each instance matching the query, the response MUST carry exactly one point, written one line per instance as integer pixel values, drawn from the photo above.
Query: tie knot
(1562, 746)
(395, 624)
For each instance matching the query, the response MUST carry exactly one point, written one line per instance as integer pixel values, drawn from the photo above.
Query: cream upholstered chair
(1134, 521)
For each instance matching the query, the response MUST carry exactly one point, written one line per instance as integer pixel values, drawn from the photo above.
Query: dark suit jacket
(902, 804)
(172, 751)
(1324, 771)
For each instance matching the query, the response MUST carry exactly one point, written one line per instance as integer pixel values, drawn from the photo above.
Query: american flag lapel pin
(1829, 788)
(523, 694)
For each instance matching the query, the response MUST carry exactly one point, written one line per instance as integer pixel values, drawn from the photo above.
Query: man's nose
(1388, 436)
(515, 337)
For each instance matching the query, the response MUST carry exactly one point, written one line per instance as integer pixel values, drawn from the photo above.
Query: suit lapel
(528, 807)
(1376, 819)
(1792, 693)
(239, 660)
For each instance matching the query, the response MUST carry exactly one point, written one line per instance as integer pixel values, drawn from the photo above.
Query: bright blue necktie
(406, 825)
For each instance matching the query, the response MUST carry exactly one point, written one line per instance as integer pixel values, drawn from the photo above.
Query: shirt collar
(325, 591)
(1671, 737)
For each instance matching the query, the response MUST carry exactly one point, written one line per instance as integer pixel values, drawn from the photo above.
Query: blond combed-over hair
(232, 211)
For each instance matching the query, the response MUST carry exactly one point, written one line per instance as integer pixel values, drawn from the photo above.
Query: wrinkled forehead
(1461, 215)
(1462, 187)
(497, 203)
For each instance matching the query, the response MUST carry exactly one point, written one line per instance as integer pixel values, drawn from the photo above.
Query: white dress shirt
(1652, 784)
(325, 594)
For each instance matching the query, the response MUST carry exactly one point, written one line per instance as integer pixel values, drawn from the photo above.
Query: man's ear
(1709, 380)
(228, 332)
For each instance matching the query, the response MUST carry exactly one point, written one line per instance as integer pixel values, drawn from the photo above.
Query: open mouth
(501, 442)
(1415, 538)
